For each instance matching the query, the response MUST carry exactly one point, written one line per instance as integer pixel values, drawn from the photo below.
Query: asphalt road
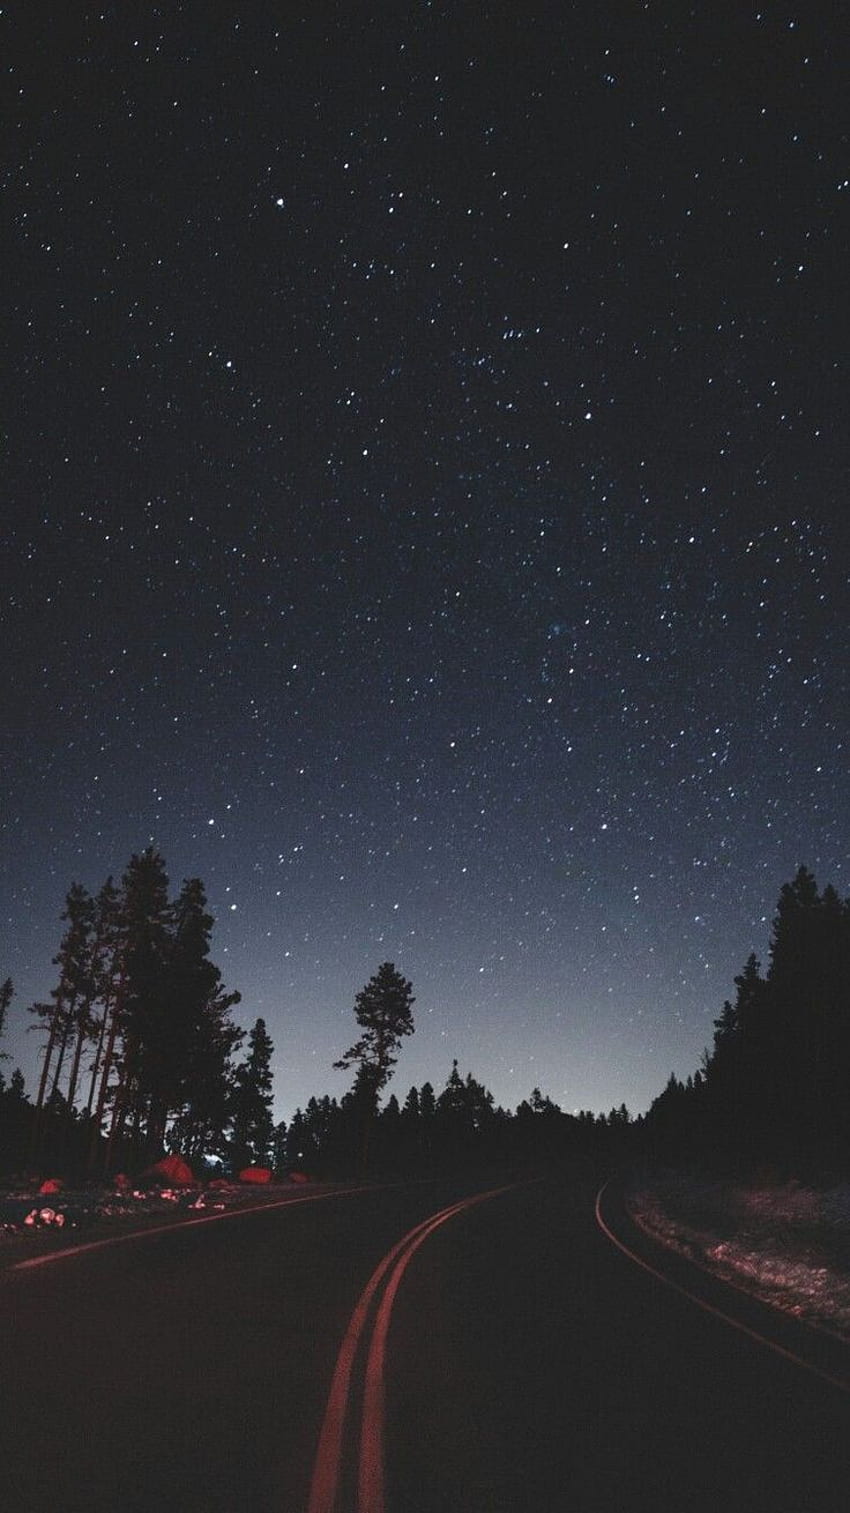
(510, 1358)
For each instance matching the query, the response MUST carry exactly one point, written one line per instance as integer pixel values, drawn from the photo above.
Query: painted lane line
(323, 1488)
(762, 1339)
(370, 1485)
(327, 1468)
(328, 1462)
(371, 1475)
(179, 1224)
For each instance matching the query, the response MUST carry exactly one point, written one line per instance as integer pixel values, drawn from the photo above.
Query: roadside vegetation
(772, 1096)
(745, 1166)
(141, 1057)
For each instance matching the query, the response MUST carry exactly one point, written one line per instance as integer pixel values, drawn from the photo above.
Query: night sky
(424, 509)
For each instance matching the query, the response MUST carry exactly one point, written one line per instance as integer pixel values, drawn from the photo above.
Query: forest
(773, 1090)
(141, 1056)
(140, 1053)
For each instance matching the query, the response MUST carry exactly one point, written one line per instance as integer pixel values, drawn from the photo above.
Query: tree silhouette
(808, 984)
(464, 1117)
(7, 993)
(138, 992)
(776, 1082)
(252, 1131)
(144, 949)
(383, 1010)
(68, 1015)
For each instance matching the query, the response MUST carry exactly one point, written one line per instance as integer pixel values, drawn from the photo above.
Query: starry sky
(424, 509)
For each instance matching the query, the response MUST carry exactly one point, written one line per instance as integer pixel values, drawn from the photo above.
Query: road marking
(327, 1466)
(761, 1339)
(179, 1224)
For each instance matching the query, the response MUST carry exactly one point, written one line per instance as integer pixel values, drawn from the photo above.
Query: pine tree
(328, 1128)
(300, 1147)
(199, 1129)
(464, 1116)
(389, 1132)
(746, 1057)
(143, 954)
(66, 1016)
(15, 1119)
(280, 1132)
(103, 973)
(170, 1035)
(91, 1008)
(775, 1085)
(7, 992)
(253, 1131)
(427, 1102)
(383, 1009)
(542, 1105)
(107, 1073)
(808, 984)
(410, 1133)
(137, 985)
(186, 1060)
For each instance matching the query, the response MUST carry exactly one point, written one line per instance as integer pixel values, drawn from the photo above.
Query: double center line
(368, 1328)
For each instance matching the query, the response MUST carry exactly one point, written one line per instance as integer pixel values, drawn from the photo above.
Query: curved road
(406, 1350)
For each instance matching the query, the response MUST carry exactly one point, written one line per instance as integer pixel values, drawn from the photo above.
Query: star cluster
(425, 477)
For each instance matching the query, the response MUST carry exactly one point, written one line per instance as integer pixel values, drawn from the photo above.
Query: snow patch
(789, 1244)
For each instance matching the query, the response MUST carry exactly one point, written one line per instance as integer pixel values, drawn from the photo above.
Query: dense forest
(139, 1048)
(773, 1090)
(140, 1056)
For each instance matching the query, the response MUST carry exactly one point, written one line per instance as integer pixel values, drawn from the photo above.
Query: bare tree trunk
(119, 1108)
(96, 1064)
(82, 1036)
(114, 1014)
(42, 1085)
(67, 1020)
(48, 1057)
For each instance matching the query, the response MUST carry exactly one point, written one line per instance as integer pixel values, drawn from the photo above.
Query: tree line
(139, 1047)
(141, 1055)
(774, 1087)
(430, 1132)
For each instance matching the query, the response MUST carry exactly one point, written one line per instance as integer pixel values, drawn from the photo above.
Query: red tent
(174, 1170)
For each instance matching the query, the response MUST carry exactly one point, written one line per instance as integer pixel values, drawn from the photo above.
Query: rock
(51, 1185)
(256, 1174)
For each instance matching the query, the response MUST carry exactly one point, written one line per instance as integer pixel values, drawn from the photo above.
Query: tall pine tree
(383, 1010)
(67, 1016)
(252, 1140)
(7, 993)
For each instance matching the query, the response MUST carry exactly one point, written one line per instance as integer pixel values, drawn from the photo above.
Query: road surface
(402, 1350)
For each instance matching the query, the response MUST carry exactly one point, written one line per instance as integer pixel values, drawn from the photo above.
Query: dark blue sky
(425, 515)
